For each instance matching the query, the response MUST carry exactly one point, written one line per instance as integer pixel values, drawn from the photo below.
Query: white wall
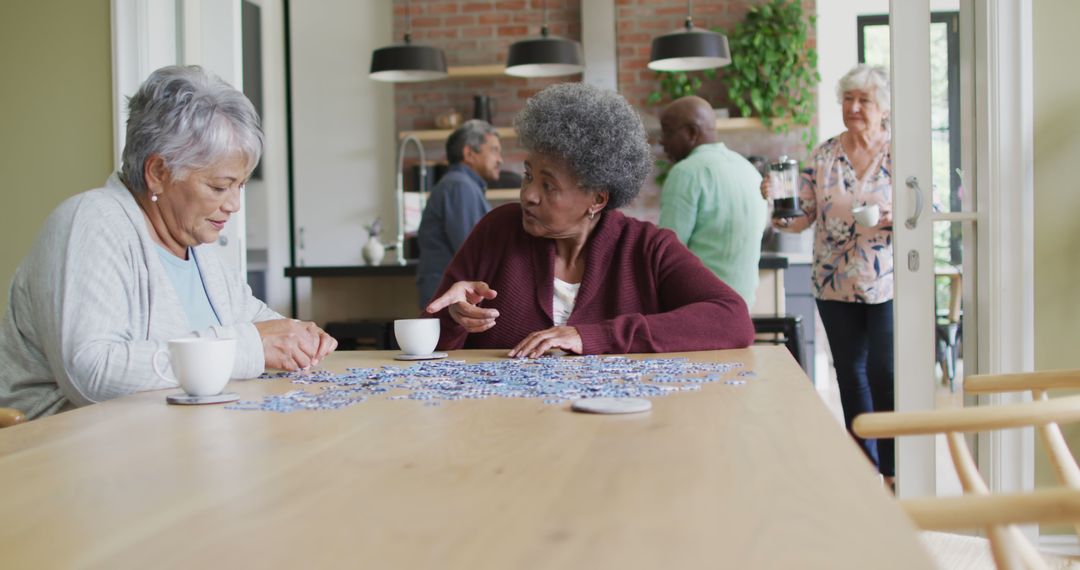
(1056, 94)
(838, 44)
(344, 144)
(267, 199)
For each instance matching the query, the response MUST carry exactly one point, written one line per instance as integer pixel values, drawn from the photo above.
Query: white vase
(373, 251)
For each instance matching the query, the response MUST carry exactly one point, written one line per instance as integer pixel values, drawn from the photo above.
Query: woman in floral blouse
(853, 264)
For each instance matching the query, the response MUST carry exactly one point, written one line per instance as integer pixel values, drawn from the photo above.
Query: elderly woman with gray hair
(119, 270)
(564, 269)
(853, 260)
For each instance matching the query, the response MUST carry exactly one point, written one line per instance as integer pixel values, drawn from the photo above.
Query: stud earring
(153, 197)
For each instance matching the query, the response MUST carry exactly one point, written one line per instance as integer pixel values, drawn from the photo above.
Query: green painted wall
(55, 113)
(1057, 200)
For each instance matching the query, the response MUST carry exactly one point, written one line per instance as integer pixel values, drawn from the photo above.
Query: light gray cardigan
(91, 304)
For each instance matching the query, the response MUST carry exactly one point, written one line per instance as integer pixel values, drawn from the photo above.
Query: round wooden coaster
(432, 356)
(189, 400)
(611, 405)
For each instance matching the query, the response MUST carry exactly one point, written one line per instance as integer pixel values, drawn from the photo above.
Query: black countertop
(769, 260)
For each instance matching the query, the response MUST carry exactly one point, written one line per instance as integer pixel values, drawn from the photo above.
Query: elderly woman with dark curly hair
(118, 271)
(564, 269)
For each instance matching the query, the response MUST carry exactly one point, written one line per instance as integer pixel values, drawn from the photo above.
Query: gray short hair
(595, 131)
(870, 78)
(473, 134)
(192, 119)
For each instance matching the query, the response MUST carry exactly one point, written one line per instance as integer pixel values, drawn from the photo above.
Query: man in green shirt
(711, 197)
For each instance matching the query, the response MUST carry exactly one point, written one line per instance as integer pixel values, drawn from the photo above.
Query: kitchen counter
(388, 291)
(769, 260)
(391, 269)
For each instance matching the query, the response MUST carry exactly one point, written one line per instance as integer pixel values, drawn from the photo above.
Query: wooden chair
(10, 417)
(996, 514)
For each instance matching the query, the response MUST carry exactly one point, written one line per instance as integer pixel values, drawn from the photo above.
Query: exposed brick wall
(477, 32)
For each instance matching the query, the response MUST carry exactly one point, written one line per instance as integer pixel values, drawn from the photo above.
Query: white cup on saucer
(867, 215)
(202, 365)
(417, 337)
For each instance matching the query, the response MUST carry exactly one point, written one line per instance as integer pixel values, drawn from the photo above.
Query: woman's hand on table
(463, 298)
(539, 342)
(290, 344)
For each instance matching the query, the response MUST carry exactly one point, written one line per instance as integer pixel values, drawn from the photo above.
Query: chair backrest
(978, 508)
(10, 417)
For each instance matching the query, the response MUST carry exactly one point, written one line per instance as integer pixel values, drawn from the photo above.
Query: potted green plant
(773, 73)
(675, 84)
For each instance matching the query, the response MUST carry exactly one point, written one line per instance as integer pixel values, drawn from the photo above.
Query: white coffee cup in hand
(202, 365)
(417, 337)
(867, 216)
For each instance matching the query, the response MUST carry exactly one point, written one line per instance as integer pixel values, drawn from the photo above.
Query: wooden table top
(752, 476)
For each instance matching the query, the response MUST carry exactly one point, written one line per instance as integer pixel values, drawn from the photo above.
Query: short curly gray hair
(870, 78)
(192, 119)
(595, 131)
(473, 134)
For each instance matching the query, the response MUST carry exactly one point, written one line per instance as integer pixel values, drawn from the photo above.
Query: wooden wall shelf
(502, 194)
(738, 124)
(441, 134)
(467, 71)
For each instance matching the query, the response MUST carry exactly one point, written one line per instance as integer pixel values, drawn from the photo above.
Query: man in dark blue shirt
(457, 202)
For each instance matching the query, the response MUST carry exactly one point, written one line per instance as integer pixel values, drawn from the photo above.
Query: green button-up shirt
(711, 200)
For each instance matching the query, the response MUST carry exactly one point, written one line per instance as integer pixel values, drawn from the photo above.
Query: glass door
(934, 221)
(947, 175)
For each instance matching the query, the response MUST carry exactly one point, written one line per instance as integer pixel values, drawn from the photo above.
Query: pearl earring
(153, 197)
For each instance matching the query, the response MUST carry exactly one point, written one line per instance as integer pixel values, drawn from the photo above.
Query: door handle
(913, 221)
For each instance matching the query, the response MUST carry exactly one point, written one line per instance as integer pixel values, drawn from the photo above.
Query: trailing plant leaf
(772, 72)
(675, 84)
(662, 169)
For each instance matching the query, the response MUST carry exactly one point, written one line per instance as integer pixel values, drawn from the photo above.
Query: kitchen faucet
(400, 191)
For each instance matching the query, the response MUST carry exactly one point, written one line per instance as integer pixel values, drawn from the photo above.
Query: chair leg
(794, 339)
(940, 347)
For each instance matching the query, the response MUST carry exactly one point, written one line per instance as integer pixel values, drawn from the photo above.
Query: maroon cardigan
(642, 290)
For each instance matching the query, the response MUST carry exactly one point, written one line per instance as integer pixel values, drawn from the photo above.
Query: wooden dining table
(754, 475)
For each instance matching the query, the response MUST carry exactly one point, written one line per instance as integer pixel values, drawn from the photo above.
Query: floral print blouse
(852, 263)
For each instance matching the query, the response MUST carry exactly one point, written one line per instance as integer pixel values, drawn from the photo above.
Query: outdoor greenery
(772, 73)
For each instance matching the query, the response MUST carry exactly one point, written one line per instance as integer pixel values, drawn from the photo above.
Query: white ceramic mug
(202, 365)
(867, 216)
(417, 337)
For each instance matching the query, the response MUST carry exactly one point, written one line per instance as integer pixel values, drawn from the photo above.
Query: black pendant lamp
(689, 49)
(406, 62)
(546, 56)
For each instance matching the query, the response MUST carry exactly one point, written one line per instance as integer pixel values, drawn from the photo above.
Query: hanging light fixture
(546, 56)
(689, 49)
(406, 62)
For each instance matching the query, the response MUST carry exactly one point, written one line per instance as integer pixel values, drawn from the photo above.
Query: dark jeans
(861, 338)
